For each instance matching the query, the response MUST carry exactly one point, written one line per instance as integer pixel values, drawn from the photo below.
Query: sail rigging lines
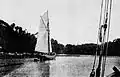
(109, 18)
(92, 74)
(103, 36)
(43, 22)
(106, 22)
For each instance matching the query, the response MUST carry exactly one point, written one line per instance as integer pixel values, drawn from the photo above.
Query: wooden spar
(48, 37)
(48, 29)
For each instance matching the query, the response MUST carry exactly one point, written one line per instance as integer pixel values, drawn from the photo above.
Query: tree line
(87, 48)
(14, 38)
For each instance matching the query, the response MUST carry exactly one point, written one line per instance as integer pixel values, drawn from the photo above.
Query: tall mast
(48, 34)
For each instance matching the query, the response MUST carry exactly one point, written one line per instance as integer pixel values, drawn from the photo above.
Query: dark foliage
(87, 49)
(14, 39)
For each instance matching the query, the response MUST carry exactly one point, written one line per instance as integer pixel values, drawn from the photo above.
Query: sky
(71, 21)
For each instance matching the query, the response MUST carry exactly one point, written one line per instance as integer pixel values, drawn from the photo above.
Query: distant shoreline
(79, 55)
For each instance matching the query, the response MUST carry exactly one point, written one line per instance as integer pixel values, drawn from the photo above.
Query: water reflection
(44, 68)
(61, 67)
(6, 66)
(31, 69)
(4, 70)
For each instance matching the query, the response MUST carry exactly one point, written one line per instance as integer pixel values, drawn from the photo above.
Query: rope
(106, 13)
(92, 74)
(105, 10)
(98, 70)
(104, 34)
(104, 58)
(102, 45)
(100, 58)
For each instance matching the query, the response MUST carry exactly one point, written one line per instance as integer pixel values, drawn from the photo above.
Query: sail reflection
(44, 68)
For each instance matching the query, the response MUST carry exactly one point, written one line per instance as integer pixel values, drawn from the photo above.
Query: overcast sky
(71, 21)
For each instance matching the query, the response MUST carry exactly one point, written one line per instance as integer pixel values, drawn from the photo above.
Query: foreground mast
(104, 26)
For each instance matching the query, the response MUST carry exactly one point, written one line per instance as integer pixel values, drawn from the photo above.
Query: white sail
(50, 46)
(42, 39)
(45, 18)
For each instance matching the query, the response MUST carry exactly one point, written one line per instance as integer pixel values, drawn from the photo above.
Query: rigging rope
(98, 70)
(106, 21)
(104, 58)
(105, 11)
(92, 74)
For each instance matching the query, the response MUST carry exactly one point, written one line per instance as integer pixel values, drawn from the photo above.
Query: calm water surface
(61, 67)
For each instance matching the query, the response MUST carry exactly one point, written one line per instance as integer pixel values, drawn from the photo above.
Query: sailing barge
(43, 39)
(18, 43)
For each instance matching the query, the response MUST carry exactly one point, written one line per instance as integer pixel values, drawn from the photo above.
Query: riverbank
(79, 55)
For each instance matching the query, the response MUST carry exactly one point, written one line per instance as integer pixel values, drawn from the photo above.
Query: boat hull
(45, 57)
(50, 57)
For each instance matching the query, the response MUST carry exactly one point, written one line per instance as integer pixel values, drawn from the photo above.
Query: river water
(69, 66)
